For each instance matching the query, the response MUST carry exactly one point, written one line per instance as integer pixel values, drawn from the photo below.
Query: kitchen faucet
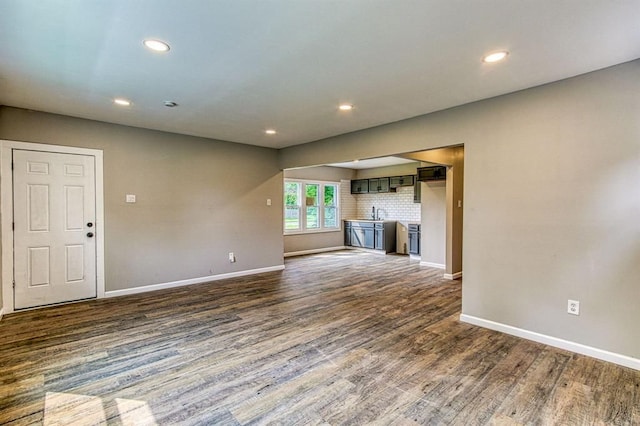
(375, 213)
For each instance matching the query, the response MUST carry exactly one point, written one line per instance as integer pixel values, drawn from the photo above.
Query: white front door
(54, 211)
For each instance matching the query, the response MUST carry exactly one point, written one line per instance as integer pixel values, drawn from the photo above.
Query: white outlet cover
(573, 307)
(130, 198)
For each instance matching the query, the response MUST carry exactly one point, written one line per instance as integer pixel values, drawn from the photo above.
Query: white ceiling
(373, 163)
(237, 67)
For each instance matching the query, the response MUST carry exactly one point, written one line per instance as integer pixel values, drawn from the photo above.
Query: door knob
(89, 224)
(89, 234)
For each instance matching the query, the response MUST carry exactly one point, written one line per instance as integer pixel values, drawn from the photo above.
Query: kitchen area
(406, 206)
(387, 207)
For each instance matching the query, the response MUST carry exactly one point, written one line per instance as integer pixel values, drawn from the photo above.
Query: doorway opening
(435, 206)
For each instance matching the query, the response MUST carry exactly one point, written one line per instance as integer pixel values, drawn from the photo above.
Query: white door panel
(54, 201)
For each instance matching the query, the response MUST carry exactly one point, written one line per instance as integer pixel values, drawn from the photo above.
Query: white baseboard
(615, 358)
(453, 276)
(312, 251)
(153, 287)
(432, 265)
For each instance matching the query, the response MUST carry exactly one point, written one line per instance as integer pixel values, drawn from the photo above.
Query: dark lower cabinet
(378, 235)
(362, 234)
(368, 238)
(347, 233)
(414, 238)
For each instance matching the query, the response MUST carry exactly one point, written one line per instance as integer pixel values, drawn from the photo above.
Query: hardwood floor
(338, 338)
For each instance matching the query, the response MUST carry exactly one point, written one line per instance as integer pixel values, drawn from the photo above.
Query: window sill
(319, 231)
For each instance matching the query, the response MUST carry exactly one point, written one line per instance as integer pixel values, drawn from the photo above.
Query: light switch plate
(130, 198)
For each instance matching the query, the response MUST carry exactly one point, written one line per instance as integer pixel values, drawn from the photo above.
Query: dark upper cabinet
(417, 194)
(383, 184)
(426, 174)
(379, 185)
(398, 181)
(360, 186)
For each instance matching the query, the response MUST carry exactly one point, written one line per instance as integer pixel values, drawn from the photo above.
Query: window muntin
(311, 206)
(292, 206)
(330, 206)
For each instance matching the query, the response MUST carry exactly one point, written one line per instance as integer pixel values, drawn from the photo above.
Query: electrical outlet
(573, 307)
(232, 257)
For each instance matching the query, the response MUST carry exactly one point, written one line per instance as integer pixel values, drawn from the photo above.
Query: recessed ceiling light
(270, 132)
(156, 45)
(495, 56)
(122, 102)
(345, 107)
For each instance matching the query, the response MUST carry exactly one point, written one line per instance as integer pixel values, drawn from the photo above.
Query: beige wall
(330, 174)
(552, 188)
(197, 199)
(433, 230)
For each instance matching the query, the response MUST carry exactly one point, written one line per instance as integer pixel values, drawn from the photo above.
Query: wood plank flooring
(338, 338)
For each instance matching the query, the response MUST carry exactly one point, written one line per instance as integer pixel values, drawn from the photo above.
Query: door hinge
(14, 284)
(13, 226)
(12, 165)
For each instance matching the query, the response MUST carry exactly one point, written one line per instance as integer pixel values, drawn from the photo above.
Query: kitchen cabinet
(427, 174)
(360, 186)
(362, 234)
(377, 235)
(347, 233)
(398, 181)
(417, 192)
(382, 184)
(414, 238)
(379, 185)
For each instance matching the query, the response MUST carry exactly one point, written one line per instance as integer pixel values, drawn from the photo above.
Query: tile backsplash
(392, 205)
(348, 201)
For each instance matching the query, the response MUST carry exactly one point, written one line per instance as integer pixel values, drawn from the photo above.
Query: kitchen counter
(371, 220)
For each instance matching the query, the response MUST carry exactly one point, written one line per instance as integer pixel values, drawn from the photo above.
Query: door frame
(6, 213)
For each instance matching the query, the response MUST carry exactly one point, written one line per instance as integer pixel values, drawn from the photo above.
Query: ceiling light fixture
(170, 104)
(122, 102)
(495, 56)
(156, 45)
(345, 107)
(270, 132)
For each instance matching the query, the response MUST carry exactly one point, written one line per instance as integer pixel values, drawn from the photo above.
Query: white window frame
(303, 208)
